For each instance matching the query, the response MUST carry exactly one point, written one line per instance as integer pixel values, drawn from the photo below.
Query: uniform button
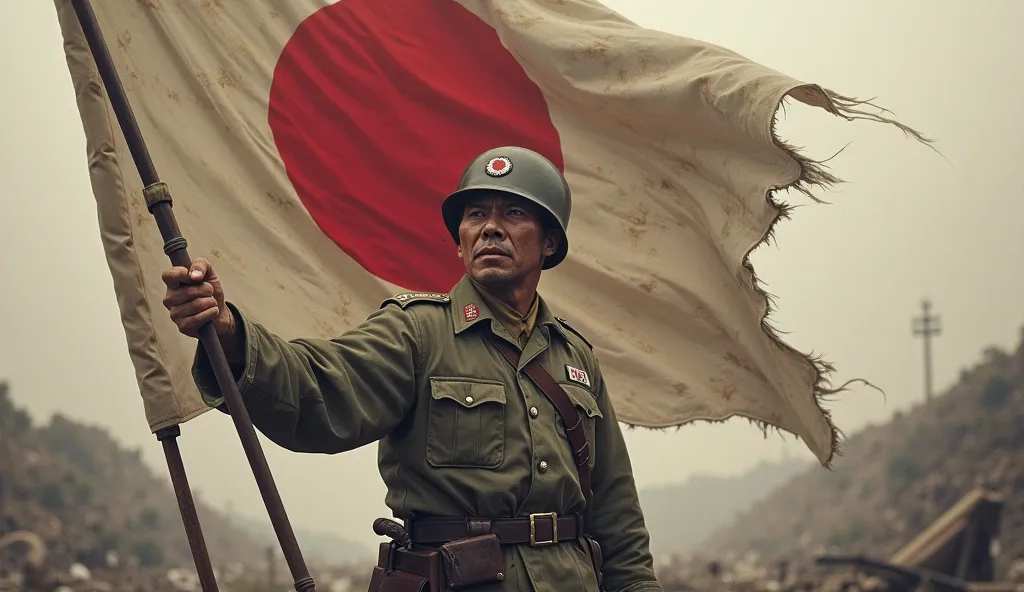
(534, 412)
(469, 400)
(543, 466)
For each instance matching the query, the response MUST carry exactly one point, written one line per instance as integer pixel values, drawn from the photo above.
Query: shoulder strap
(408, 298)
(569, 327)
(570, 415)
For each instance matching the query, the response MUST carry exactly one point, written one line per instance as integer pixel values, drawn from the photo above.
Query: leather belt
(536, 530)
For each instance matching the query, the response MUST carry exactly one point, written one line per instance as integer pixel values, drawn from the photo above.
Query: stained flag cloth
(308, 146)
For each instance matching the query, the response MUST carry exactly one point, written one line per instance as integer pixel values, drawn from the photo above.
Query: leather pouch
(399, 570)
(472, 561)
(384, 580)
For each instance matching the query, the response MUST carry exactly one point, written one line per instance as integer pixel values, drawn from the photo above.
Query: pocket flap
(582, 398)
(468, 392)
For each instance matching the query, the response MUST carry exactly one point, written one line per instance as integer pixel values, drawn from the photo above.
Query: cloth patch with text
(577, 375)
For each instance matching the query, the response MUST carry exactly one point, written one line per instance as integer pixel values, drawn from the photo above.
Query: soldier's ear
(551, 242)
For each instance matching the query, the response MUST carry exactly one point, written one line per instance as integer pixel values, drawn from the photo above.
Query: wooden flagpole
(158, 201)
(187, 507)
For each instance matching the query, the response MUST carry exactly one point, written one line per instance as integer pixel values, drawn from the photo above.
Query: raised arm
(306, 395)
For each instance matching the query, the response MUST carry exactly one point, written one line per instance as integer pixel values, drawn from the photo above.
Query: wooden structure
(952, 555)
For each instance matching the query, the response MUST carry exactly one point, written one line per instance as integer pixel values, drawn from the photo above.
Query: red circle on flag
(377, 107)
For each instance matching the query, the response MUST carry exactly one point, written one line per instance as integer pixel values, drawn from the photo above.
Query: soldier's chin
(492, 276)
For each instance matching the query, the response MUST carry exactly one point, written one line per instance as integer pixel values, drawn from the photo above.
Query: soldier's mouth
(492, 252)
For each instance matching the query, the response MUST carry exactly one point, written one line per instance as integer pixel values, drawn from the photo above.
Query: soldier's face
(502, 240)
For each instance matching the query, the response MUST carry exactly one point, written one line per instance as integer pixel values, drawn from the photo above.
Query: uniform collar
(519, 327)
(470, 308)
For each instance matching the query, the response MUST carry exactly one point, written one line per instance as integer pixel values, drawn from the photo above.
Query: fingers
(174, 277)
(185, 294)
(192, 308)
(201, 270)
(192, 296)
(198, 271)
(191, 316)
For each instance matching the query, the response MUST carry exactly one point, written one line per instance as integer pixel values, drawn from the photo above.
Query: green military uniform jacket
(460, 432)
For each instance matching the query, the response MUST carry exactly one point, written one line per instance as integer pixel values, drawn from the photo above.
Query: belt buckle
(553, 516)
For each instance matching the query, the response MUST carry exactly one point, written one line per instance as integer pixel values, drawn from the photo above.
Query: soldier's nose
(492, 230)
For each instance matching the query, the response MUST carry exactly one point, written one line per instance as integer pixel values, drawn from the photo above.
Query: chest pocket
(466, 423)
(586, 404)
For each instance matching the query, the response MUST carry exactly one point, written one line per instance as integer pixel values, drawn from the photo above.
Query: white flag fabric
(308, 145)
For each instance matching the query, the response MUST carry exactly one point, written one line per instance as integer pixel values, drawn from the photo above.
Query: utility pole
(927, 326)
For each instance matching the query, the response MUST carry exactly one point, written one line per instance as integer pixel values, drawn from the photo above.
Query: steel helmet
(517, 171)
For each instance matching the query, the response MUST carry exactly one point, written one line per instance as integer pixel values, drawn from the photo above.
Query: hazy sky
(848, 276)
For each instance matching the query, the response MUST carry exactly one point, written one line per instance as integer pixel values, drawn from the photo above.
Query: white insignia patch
(577, 375)
(499, 167)
(430, 295)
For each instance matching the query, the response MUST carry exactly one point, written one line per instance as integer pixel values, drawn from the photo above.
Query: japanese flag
(308, 145)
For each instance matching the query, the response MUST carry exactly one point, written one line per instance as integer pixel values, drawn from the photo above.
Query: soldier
(472, 444)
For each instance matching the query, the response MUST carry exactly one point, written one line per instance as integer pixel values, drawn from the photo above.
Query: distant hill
(680, 516)
(89, 498)
(894, 479)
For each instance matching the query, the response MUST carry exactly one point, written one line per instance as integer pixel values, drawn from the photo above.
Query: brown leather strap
(536, 530)
(570, 415)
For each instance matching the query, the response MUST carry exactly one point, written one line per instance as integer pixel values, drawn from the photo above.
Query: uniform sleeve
(616, 520)
(324, 395)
